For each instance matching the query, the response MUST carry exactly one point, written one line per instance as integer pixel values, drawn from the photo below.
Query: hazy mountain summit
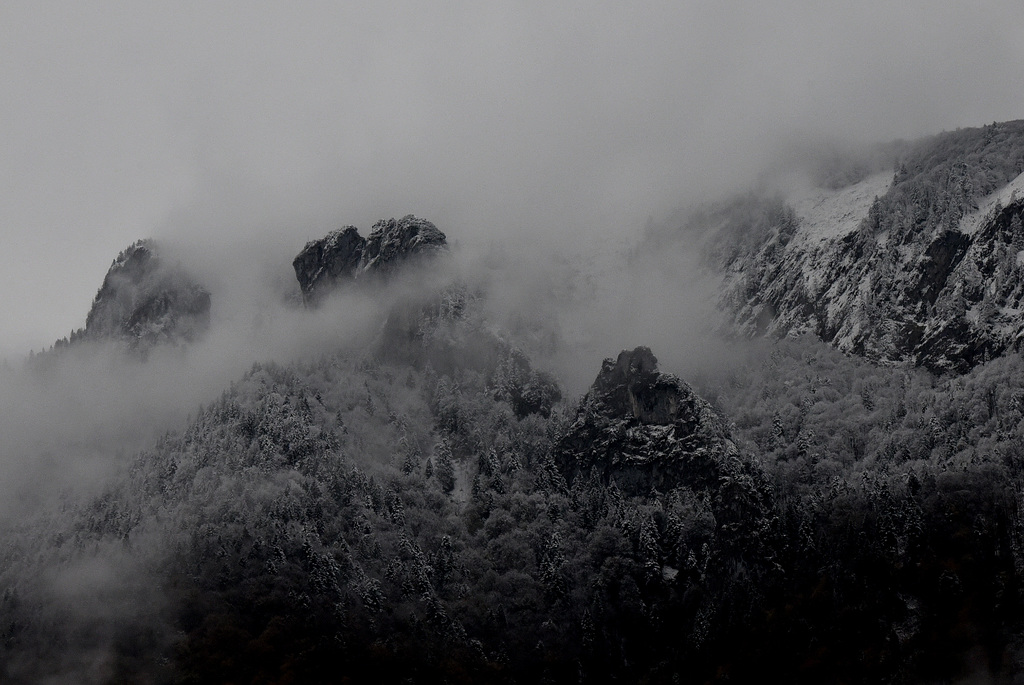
(343, 255)
(145, 300)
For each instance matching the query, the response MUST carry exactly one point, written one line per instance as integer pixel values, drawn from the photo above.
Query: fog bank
(222, 123)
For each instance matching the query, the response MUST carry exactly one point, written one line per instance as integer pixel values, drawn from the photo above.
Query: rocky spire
(644, 429)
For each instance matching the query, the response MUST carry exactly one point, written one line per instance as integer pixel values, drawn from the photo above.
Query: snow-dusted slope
(824, 218)
(894, 287)
(789, 285)
(829, 214)
(992, 204)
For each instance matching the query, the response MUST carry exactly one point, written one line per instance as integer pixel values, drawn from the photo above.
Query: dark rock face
(979, 313)
(344, 255)
(941, 257)
(392, 242)
(631, 386)
(324, 262)
(145, 301)
(644, 429)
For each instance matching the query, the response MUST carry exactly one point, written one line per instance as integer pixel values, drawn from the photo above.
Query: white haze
(71, 422)
(519, 122)
(548, 131)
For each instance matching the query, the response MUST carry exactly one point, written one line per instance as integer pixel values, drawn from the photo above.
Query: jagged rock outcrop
(645, 429)
(344, 255)
(146, 301)
(324, 262)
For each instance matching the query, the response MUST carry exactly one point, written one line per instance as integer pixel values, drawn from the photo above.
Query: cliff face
(324, 262)
(145, 301)
(944, 297)
(343, 255)
(645, 429)
(392, 242)
(979, 286)
(923, 264)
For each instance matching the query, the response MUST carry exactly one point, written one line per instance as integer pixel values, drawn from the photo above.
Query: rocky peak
(344, 255)
(145, 300)
(631, 386)
(391, 242)
(644, 429)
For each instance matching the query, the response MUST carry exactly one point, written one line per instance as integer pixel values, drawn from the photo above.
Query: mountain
(429, 504)
(145, 300)
(644, 430)
(439, 323)
(919, 264)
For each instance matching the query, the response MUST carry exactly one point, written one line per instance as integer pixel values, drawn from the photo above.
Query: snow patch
(463, 483)
(973, 314)
(829, 214)
(987, 206)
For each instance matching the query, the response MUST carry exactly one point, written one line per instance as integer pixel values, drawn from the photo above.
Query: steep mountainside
(145, 300)
(923, 264)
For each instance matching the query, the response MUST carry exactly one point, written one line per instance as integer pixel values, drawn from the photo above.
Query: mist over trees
(403, 489)
(378, 521)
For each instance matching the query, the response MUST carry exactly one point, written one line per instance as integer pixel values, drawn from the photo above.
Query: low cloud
(222, 124)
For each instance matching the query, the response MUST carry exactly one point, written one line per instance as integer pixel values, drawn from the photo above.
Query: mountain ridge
(429, 507)
(924, 271)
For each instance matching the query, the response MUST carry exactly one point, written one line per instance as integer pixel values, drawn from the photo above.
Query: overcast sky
(215, 122)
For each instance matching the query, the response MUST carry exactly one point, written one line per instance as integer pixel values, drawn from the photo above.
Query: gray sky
(218, 122)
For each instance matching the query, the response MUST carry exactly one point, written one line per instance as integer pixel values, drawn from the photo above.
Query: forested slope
(358, 519)
(427, 504)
